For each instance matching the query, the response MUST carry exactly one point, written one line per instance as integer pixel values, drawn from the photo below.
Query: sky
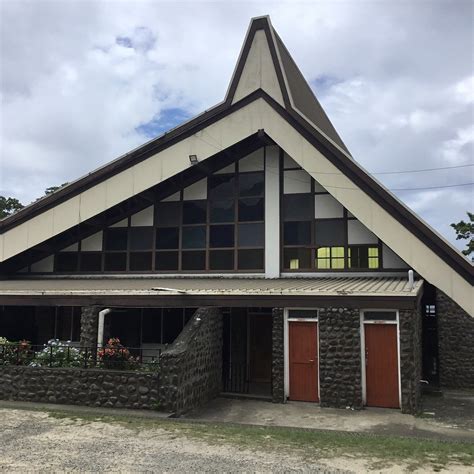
(82, 82)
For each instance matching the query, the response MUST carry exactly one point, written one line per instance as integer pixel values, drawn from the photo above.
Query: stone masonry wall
(456, 344)
(410, 359)
(278, 357)
(89, 326)
(191, 368)
(98, 388)
(339, 358)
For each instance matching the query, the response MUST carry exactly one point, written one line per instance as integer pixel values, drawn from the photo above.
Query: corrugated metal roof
(318, 286)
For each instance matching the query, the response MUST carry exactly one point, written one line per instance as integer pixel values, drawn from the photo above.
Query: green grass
(380, 450)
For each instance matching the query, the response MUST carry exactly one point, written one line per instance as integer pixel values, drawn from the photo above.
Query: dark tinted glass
(91, 261)
(251, 209)
(330, 233)
(151, 329)
(221, 185)
(141, 238)
(250, 259)
(221, 259)
(167, 238)
(140, 261)
(194, 237)
(303, 313)
(297, 233)
(251, 184)
(251, 235)
(67, 261)
(194, 212)
(116, 238)
(221, 236)
(167, 213)
(115, 262)
(193, 260)
(298, 207)
(166, 261)
(297, 259)
(222, 211)
(172, 324)
(380, 315)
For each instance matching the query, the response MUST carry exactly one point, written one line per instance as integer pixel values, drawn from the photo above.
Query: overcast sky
(85, 81)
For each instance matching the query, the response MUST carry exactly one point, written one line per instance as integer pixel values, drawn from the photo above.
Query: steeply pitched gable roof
(265, 71)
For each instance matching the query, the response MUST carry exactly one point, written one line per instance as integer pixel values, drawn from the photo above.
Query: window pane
(116, 238)
(221, 259)
(172, 324)
(167, 238)
(167, 213)
(251, 209)
(166, 261)
(194, 212)
(115, 262)
(64, 323)
(323, 258)
(251, 184)
(91, 261)
(221, 236)
(297, 259)
(194, 237)
(193, 260)
(297, 233)
(330, 233)
(363, 257)
(251, 235)
(140, 261)
(151, 327)
(222, 211)
(141, 238)
(222, 185)
(67, 261)
(380, 315)
(303, 313)
(298, 207)
(250, 259)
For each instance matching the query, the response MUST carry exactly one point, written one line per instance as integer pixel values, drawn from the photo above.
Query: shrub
(14, 353)
(115, 356)
(58, 354)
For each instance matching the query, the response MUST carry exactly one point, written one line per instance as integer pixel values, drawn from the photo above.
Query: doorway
(381, 359)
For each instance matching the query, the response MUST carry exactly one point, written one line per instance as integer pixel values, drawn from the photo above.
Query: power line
(426, 169)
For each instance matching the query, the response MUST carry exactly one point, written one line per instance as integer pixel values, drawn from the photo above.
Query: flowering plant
(58, 354)
(115, 356)
(14, 353)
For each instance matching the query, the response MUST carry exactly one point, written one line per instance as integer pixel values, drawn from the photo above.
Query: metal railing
(62, 354)
(234, 379)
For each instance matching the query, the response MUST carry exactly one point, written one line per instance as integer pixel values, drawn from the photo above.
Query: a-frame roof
(268, 92)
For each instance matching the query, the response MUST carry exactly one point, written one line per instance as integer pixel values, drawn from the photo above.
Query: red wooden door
(381, 365)
(303, 361)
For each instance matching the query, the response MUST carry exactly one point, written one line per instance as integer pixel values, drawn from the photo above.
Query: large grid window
(318, 233)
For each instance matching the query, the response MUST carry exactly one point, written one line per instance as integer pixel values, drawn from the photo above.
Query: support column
(89, 325)
(278, 357)
(272, 212)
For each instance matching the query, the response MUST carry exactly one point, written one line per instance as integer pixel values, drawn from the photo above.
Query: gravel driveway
(35, 441)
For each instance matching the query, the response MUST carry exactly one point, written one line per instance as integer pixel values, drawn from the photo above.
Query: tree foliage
(9, 206)
(465, 231)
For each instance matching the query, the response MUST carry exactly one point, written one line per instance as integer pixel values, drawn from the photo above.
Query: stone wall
(456, 344)
(91, 387)
(410, 359)
(89, 326)
(278, 357)
(339, 358)
(191, 368)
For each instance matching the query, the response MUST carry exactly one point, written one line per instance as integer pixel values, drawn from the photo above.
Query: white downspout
(100, 329)
(411, 280)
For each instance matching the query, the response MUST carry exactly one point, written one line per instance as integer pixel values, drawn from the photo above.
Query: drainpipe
(411, 280)
(100, 329)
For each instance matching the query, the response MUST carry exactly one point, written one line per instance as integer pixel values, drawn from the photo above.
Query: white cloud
(79, 78)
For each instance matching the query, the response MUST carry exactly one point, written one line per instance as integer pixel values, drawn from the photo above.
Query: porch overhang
(343, 291)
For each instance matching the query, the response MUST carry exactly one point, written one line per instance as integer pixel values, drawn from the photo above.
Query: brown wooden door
(260, 347)
(381, 365)
(303, 361)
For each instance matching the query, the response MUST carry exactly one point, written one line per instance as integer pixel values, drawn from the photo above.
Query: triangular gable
(308, 143)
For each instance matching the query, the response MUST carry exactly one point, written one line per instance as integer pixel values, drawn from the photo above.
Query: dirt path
(37, 441)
